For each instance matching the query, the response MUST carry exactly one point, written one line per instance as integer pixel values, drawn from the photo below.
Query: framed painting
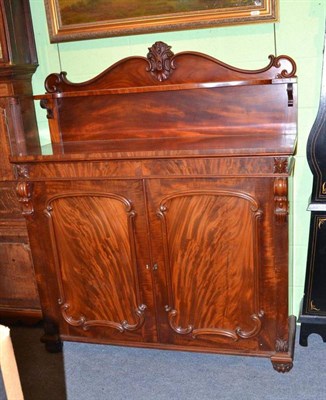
(86, 19)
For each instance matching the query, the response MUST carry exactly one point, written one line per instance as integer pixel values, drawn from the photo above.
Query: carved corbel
(281, 204)
(24, 192)
(161, 61)
(47, 105)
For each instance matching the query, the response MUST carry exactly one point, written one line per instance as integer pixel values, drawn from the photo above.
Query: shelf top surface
(168, 147)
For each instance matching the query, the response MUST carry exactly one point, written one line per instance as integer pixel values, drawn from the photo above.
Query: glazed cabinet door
(95, 259)
(215, 283)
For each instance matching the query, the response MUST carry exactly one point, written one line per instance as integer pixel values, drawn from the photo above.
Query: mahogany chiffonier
(19, 299)
(158, 215)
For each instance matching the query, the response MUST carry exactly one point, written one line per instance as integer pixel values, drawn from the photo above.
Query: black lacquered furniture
(313, 310)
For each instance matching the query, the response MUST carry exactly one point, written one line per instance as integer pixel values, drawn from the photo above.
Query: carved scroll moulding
(54, 82)
(235, 334)
(122, 326)
(287, 65)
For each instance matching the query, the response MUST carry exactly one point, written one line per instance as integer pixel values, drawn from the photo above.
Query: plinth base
(309, 325)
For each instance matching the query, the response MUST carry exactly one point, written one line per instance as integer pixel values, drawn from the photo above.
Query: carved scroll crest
(161, 61)
(287, 65)
(54, 82)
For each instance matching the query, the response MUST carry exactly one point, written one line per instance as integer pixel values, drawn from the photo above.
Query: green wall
(299, 34)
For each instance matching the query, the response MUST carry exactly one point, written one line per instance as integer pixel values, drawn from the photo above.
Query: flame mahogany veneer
(158, 215)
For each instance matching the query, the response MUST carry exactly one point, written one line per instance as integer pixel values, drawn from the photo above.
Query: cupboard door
(206, 240)
(97, 244)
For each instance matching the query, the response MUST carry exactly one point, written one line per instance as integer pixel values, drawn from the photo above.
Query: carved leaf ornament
(160, 58)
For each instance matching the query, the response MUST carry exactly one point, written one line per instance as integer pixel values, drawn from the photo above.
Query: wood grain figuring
(12, 230)
(4, 90)
(144, 113)
(224, 166)
(9, 206)
(15, 261)
(202, 166)
(225, 279)
(261, 100)
(94, 245)
(158, 213)
(221, 145)
(83, 170)
(5, 168)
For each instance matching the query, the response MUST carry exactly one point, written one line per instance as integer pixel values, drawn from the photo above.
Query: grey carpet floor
(101, 372)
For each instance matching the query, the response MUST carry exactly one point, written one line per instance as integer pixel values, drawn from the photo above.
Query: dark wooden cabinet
(18, 133)
(159, 217)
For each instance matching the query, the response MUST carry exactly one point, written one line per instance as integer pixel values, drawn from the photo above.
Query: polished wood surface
(207, 291)
(158, 215)
(154, 98)
(18, 134)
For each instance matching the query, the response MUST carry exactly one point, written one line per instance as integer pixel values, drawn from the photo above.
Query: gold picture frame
(70, 20)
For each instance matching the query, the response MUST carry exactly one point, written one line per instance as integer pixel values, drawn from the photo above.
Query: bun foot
(282, 367)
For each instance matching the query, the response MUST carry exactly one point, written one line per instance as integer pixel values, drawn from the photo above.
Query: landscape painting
(86, 19)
